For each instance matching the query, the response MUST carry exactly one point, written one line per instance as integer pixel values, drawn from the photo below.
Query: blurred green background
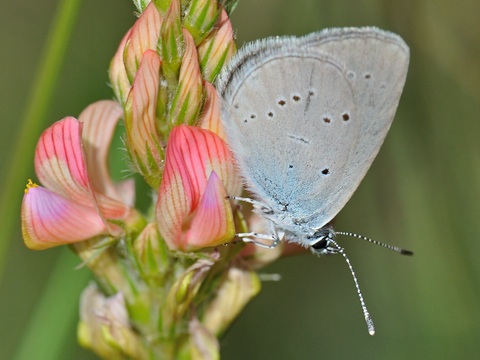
(422, 192)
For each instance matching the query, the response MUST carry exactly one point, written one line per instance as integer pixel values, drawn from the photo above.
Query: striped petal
(59, 161)
(99, 122)
(118, 74)
(49, 219)
(210, 117)
(140, 118)
(192, 155)
(143, 36)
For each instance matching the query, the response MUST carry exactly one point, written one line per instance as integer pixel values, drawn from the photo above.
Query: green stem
(33, 119)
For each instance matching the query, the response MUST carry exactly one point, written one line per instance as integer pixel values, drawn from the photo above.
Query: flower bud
(151, 254)
(142, 37)
(104, 326)
(188, 98)
(217, 48)
(143, 142)
(239, 287)
(200, 17)
(171, 43)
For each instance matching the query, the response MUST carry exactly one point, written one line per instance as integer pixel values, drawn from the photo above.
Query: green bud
(104, 326)
(200, 17)
(152, 255)
(171, 43)
(239, 287)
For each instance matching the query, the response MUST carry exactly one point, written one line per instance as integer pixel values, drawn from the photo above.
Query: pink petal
(173, 207)
(140, 119)
(60, 166)
(126, 190)
(99, 122)
(192, 155)
(143, 36)
(59, 161)
(210, 118)
(212, 223)
(118, 74)
(49, 219)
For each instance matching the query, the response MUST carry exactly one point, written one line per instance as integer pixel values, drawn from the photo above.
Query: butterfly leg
(249, 237)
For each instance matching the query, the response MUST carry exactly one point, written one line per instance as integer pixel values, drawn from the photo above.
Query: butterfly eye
(319, 245)
(322, 242)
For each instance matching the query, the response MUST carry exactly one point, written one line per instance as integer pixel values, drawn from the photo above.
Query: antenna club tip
(406, 252)
(370, 326)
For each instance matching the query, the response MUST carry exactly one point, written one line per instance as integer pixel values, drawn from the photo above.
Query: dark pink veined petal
(99, 121)
(49, 220)
(173, 208)
(143, 36)
(60, 166)
(59, 161)
(192, 155)
(212, 222)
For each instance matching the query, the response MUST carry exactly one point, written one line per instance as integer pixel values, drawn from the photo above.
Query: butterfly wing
(376, 64)
(306, 116)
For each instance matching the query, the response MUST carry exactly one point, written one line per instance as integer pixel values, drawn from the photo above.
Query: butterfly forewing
(305, 117)
(376, 63)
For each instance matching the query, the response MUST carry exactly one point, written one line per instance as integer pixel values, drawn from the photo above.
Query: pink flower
(78, 196)
(192, 208)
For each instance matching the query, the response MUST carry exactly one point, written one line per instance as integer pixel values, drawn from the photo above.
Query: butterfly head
(322, 241)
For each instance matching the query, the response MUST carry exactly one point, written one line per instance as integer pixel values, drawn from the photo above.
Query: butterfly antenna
(366, 314)
(386, 246)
